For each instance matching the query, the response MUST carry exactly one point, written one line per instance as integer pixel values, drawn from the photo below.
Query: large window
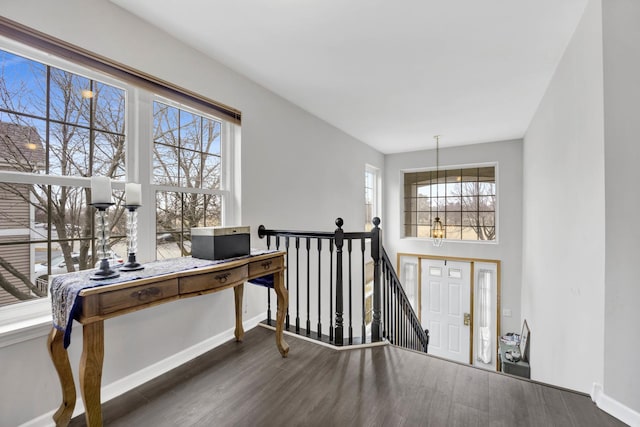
(464, 199)
(60, 124)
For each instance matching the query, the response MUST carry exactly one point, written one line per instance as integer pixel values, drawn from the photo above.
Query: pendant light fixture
(437, 230)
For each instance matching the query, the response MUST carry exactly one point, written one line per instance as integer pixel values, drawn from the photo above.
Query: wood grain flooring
(249, 384)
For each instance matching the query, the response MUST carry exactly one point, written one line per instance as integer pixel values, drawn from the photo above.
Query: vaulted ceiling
(391, 74)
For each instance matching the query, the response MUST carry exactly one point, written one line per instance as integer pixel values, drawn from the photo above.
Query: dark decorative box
(220, 242)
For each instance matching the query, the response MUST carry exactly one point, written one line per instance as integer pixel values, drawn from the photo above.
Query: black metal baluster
(297, 285)
(339, 240)
(268, 290)
(385, 302)
(395, 312)
(319, 287)
(331, 290)
(308, 286)
(376, 254)
(364, 286)
(392, 314)
(350, 294)
(286, 245)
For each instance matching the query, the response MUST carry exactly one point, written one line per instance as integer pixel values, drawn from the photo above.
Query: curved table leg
(91, 371)
(283, 302)
(238, 291)
(60, 360)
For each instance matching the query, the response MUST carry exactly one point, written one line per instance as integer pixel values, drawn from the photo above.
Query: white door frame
(473, 261)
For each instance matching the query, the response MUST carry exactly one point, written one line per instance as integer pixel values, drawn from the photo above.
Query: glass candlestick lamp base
(102, 234)
(132, 239)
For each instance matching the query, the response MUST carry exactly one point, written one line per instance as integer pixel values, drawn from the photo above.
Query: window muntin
(463, 198)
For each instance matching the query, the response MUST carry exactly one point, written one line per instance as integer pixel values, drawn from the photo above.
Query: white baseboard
(613, 407)
(142, 376)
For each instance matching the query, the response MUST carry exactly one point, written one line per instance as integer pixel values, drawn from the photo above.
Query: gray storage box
(220, 242)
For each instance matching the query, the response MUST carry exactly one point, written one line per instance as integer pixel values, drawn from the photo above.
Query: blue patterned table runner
(65, 288)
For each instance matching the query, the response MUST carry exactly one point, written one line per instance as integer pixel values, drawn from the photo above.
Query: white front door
(446, 307)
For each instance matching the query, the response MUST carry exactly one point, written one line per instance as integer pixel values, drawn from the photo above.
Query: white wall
(622, 157)
(563, 232)
(297, 172)
(508, 155)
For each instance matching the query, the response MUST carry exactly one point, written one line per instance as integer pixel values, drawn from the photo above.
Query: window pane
(69, 150)
(469, 233)
(211, 172)
(211, 136)
(21, 145)
(165, 124)
(17, 272)
(212, 211)
(486, 203)
(454, 204)
(109, 107)
(470, 219)
(168, 211)
(22, 85)
(487, 188)
(453, 218)
(486, 233)
(192, 210)
(470, 203)
(470, 188)
(190, 131)
(424, 218)
(424, 190)
(487, 219)
(190, 169)
(487, 174)
(453, 232)
(165, 165)
(423, 231)
(68, 104)
(469, 175)
(422, 204)
(109, 155)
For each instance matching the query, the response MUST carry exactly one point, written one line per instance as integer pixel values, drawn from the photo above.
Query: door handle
(467, 319)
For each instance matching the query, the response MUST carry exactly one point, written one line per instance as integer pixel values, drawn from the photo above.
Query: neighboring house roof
(21, 146)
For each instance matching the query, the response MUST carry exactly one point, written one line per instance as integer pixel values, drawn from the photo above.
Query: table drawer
(208, 281)
(117, 300)
(260, 268)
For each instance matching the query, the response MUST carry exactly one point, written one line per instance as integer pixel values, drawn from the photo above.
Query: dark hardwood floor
(249, 384)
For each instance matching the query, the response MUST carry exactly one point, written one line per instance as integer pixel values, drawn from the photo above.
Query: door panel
(443, 307)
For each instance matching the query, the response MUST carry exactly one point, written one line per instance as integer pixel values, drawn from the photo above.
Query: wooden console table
(99, 303)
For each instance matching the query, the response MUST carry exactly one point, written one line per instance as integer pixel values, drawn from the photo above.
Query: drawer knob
(266, 264)
(146, 293)
(222, 278)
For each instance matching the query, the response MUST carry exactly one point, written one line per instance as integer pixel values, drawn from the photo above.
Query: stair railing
(382, 309)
